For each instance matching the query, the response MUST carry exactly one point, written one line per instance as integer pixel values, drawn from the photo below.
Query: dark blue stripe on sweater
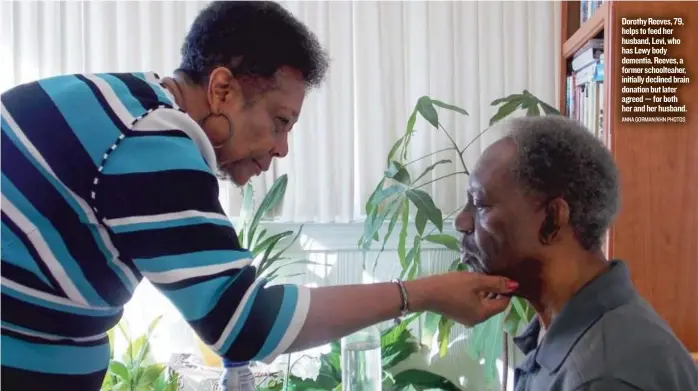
(20, 380)
(43, 319)
(57, 341)
(211, 326)
(139, 89)
(42, 123)
(123, 128)
(24, 277)
(258, 325)
(143, 194)
(177, 240)
(31, 251)
(75, 235)
(74, 98)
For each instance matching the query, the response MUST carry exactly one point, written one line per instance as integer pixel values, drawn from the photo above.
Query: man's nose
(281, 147)
(464, 221)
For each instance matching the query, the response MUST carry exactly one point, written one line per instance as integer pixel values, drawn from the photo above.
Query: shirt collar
(609, 290)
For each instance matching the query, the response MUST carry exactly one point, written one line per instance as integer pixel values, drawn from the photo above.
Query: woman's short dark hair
(251, 38)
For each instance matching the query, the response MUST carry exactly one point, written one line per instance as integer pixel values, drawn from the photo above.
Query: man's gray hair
(559, 157)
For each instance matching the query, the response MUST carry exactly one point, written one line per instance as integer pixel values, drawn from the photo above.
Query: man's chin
(240, 180)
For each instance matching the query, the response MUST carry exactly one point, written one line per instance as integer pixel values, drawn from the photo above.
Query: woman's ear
(223, 90)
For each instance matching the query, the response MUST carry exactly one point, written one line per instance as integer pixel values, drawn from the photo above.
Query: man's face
(500, 223)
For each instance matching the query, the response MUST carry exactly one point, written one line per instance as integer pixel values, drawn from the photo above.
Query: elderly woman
(111, 178)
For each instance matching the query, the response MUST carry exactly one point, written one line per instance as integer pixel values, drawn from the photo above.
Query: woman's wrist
(420, 295)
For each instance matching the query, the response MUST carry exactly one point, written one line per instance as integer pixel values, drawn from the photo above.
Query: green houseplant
(397, 345)
(135, 370)
(399, 198)
(269, 256)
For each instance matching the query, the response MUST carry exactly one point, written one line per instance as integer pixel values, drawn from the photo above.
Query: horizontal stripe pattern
(92, 203)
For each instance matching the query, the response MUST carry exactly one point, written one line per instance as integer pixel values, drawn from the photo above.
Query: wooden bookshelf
(656, 231)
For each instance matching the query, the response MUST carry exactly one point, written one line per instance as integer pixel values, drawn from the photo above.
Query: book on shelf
(588, 54)
(588, 8)
(585, 96)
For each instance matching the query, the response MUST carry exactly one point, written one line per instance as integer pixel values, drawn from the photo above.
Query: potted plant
(135, 371)
(397, 345)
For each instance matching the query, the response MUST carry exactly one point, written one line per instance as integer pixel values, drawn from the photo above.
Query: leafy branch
(398, 198)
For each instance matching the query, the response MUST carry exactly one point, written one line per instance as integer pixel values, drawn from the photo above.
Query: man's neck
(560, 280)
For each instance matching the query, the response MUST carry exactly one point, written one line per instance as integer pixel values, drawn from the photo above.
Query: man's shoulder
(626, 342)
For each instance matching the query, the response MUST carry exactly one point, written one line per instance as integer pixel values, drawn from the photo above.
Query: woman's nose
(281, 147)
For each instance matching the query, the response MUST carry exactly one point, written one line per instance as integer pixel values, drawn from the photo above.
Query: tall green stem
(440, 178)
(453, 142)
(431, 154)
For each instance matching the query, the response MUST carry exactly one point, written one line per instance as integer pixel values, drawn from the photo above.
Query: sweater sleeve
(158, 196)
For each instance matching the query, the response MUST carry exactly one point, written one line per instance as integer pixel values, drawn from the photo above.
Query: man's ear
(557, 215)
(223, 90)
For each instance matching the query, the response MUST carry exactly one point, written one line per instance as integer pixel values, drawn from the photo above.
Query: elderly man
(539, 203)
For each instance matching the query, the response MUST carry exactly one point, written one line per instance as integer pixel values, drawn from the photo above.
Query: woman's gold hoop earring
(231, 128)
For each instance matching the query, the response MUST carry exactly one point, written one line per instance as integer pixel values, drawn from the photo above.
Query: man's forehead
(494, 166)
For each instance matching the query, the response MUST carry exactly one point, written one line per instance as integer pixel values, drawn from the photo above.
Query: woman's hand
(336, 311)
(467, 298)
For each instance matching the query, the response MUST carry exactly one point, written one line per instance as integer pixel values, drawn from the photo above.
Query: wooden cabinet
(656, 232)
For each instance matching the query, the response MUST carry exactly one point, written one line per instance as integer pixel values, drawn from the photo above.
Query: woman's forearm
(337, 311)
(467, 298)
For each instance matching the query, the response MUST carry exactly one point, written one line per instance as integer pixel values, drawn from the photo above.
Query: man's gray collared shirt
(606, 338)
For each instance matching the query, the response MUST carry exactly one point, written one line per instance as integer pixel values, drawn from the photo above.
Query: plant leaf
(386, 193)
(533, 110)
(425, 203)
(272, 273)
(398, 172)
(505, 110)
(391, 227)
(408, 133)
(375, 220)
(431, 327)
(519, 307)
(426, 109)
(420, 221)
(394, 149)
(511, 321)
(392, 334)
(270, 242)
(445, 240)
(402, 238)
(370, 203)
(421, 380)
(430, 168)
(150, 375)
(444, 335)
(293, 240)
(271, 199)
(119, 370)
(266, 260)
(547, 109)
(506, 99)
(412, 259)
(449, 106)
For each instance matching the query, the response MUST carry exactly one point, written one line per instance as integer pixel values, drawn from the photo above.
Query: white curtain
(385, 55)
